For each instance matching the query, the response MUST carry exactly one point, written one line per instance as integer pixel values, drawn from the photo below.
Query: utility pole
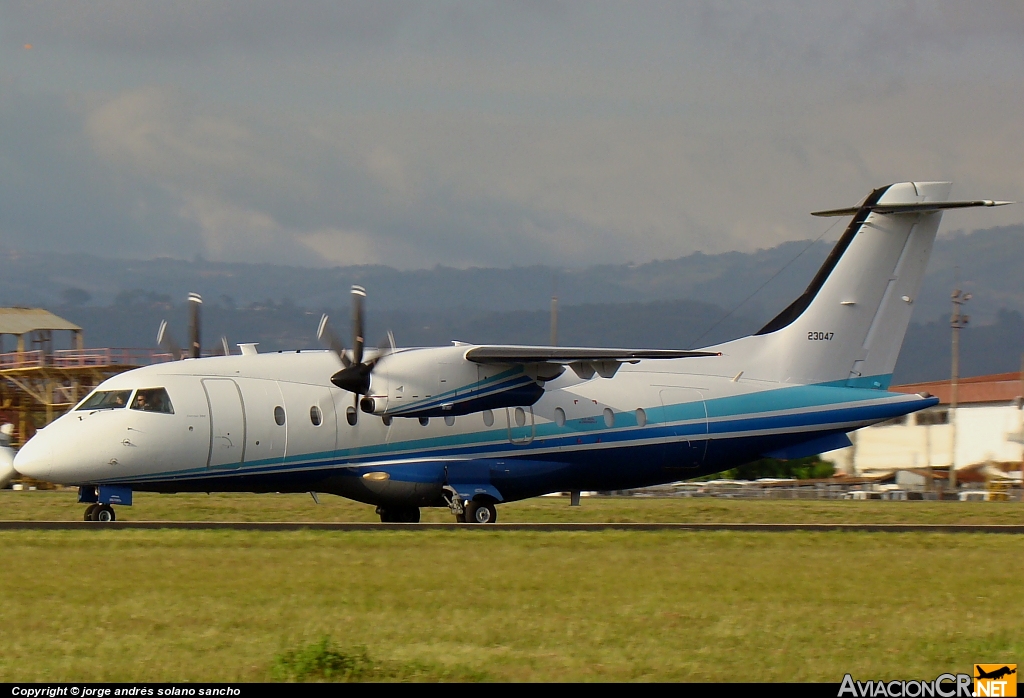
(957, 321)
(554, 321)
(1020, 406)
(554, 310)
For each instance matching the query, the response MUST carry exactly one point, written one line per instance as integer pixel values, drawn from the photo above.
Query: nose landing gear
(99, 512)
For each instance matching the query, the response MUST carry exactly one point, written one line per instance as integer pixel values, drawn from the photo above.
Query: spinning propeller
(167, 343)
(355, 376)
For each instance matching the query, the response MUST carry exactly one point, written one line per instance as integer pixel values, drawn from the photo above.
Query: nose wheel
(100, 512)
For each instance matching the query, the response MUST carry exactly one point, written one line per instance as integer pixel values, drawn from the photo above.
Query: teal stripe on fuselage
(795, 397)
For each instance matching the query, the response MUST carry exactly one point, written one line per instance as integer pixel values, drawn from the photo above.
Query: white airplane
(469, 427)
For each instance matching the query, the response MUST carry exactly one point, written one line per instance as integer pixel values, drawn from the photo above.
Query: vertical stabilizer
(848, 326)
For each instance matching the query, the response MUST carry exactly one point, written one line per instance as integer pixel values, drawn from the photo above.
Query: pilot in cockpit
(141, 403)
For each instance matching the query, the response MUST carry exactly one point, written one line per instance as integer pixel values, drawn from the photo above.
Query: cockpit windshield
(152, 400)
(106, 400)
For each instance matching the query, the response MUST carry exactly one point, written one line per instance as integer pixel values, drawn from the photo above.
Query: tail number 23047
(820, 336)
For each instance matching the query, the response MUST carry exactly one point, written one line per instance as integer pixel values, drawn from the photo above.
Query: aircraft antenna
(761, 287)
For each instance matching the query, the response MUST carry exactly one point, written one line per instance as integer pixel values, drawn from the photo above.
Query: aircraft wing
(546, 363)
(503, 354)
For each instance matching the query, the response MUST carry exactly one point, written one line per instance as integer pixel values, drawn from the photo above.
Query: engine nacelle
(441, 382)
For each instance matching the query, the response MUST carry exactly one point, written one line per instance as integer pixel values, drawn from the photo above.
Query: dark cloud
(58, 194)
(185, 27)
(489, 133)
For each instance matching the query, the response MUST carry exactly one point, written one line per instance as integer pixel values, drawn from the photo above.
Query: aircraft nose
(35, 458)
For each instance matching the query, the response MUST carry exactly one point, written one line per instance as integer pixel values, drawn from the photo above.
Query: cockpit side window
(152, 400)
(106, 400)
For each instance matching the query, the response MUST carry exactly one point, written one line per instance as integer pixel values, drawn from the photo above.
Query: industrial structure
(38, 383)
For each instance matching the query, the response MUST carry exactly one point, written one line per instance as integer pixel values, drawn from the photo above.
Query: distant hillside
(661, 324)
(986, 348)
(672, 303)
(988, 260)
(990, 348)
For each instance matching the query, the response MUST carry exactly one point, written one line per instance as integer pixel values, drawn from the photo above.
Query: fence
(82, 358)
(818, 491)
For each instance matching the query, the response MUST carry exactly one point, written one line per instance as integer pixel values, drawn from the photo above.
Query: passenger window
(152, 400)
(315, 415)
(279, 415)
(352, 418)
(560, 416)
(520, 417)
(609, 418)
(106, 400)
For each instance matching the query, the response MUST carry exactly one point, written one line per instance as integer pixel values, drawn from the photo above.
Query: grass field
(722, 606)
(61, 506)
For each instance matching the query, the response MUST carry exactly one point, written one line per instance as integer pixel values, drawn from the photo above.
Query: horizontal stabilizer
(925, 207)
(563, 355)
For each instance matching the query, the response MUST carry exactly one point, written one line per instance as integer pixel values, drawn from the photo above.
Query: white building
(987, 420)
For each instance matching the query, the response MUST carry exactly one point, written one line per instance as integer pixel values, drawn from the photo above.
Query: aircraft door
(312, 423)
(521, 426)
(685, 411)
(264, 437)
(227, 423)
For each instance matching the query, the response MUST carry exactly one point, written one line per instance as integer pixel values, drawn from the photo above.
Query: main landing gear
(467, 511)
(100, 512)
(399, 514)
(478, 512)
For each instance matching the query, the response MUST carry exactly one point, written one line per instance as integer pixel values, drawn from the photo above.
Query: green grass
(61, 506)
(323, 661)
(106, 605)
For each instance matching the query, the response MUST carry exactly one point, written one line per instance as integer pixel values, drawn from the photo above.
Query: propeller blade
(327, 337)
(194, 322)
(358, 298)
(166, 342)
(386, 346)
(222, 348)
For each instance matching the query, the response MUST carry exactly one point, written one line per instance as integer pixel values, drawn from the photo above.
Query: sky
(326, 133)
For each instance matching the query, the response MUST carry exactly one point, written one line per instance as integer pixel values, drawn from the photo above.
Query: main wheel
(105, 513)
(399, 514)
(481, 513)
(90, 512)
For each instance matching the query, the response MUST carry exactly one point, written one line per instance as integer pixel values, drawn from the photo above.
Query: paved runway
(540, 527)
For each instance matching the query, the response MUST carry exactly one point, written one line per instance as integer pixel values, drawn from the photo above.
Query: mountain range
(691, 301)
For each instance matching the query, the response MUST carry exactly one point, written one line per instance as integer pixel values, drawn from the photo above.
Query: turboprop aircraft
(468, 427)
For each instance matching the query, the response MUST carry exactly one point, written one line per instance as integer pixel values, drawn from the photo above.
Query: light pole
(554, 321)
(957, 321)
